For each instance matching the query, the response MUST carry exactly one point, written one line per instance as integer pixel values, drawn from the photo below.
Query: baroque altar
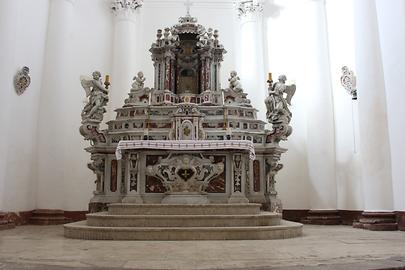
(186, 140)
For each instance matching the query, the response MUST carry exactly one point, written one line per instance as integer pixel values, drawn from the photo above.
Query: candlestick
(107, 81)
(270, 78)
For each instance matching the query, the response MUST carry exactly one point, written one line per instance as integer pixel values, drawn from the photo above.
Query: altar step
(183, 222)
(184, 209)
(106, 220)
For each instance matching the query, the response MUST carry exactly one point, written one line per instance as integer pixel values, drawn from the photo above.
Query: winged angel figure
(276, 102)
(97, 97)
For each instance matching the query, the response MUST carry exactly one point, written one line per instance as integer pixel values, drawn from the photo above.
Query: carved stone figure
(97, 97)
(273, 168)
(278, 113)
(276, 100)
(97, 166)
(139, 82)
(234, 82)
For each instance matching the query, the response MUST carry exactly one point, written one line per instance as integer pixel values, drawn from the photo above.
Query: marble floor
(321, 247)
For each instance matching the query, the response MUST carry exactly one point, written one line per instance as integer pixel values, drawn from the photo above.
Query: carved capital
(125, 6)
(249, 7)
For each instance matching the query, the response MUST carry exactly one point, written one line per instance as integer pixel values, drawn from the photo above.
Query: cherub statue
(234, 82)
(166, 35)
(210, 39)
(139, 82)
(202, 39)
(98, 97)
(276, 102)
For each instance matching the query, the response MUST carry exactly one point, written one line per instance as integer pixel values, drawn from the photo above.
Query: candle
(270, 77)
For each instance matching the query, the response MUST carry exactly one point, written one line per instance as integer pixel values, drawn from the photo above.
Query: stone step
(48, 217)
(106, 220)
(182, 209)
(80, 230)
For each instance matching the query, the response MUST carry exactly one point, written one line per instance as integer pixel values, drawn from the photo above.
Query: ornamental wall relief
(22, 80)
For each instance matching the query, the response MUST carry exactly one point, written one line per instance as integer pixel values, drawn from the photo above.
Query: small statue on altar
(234, 82)
(210, 39)
(276, 102)
(98, 97)
(139, 82)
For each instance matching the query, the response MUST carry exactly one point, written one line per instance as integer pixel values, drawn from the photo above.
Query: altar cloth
(187, 145)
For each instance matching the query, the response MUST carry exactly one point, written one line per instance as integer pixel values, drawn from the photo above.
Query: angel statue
(234, 82)
(139, 82)
(276, 103)
(98, 97)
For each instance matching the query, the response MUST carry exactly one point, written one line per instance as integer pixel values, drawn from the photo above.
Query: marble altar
(186, 139)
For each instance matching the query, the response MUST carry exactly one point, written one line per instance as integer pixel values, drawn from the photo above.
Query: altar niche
(187, 59)
(187, 66)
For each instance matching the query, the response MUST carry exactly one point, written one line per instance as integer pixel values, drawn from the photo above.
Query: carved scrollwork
(348, 81)
(185, 173)
(118, 5)
(97, 166)
(244, 8)
(22, 80)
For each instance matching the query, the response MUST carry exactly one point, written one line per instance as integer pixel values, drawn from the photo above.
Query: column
(124, 51)
(8, 14)
(320, 124)
(373, 125)
(251, 67)
(54, 125)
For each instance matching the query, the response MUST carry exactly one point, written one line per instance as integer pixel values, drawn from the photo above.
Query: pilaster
(320, 127)
(251, 53)
(373, 124)
(56, 102)
(126, 14)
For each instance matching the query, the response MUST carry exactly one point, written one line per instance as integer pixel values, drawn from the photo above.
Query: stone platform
(183, 222)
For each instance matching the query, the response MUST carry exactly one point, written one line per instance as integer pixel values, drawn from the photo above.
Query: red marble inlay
(113, 182)
(256, 176)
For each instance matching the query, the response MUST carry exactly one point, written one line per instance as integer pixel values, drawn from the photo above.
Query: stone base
(238, 198)
(133, 199)
(48, 217)
(187, 198)
(322, 217)
(377, 221)
(183, 222)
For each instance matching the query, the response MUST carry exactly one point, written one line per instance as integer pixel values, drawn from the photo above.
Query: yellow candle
(270, 77)
(107, 78)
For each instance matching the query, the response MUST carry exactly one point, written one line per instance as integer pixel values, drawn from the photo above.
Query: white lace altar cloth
(183, 145)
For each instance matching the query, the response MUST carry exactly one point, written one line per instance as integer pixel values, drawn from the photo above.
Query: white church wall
(22, 33)
(391, 18)
(341, 46)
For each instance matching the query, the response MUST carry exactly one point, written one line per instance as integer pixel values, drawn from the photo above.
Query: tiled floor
(321, 247)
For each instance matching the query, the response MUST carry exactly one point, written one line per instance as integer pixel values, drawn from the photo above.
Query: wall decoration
(348, 81)
(22, 80)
